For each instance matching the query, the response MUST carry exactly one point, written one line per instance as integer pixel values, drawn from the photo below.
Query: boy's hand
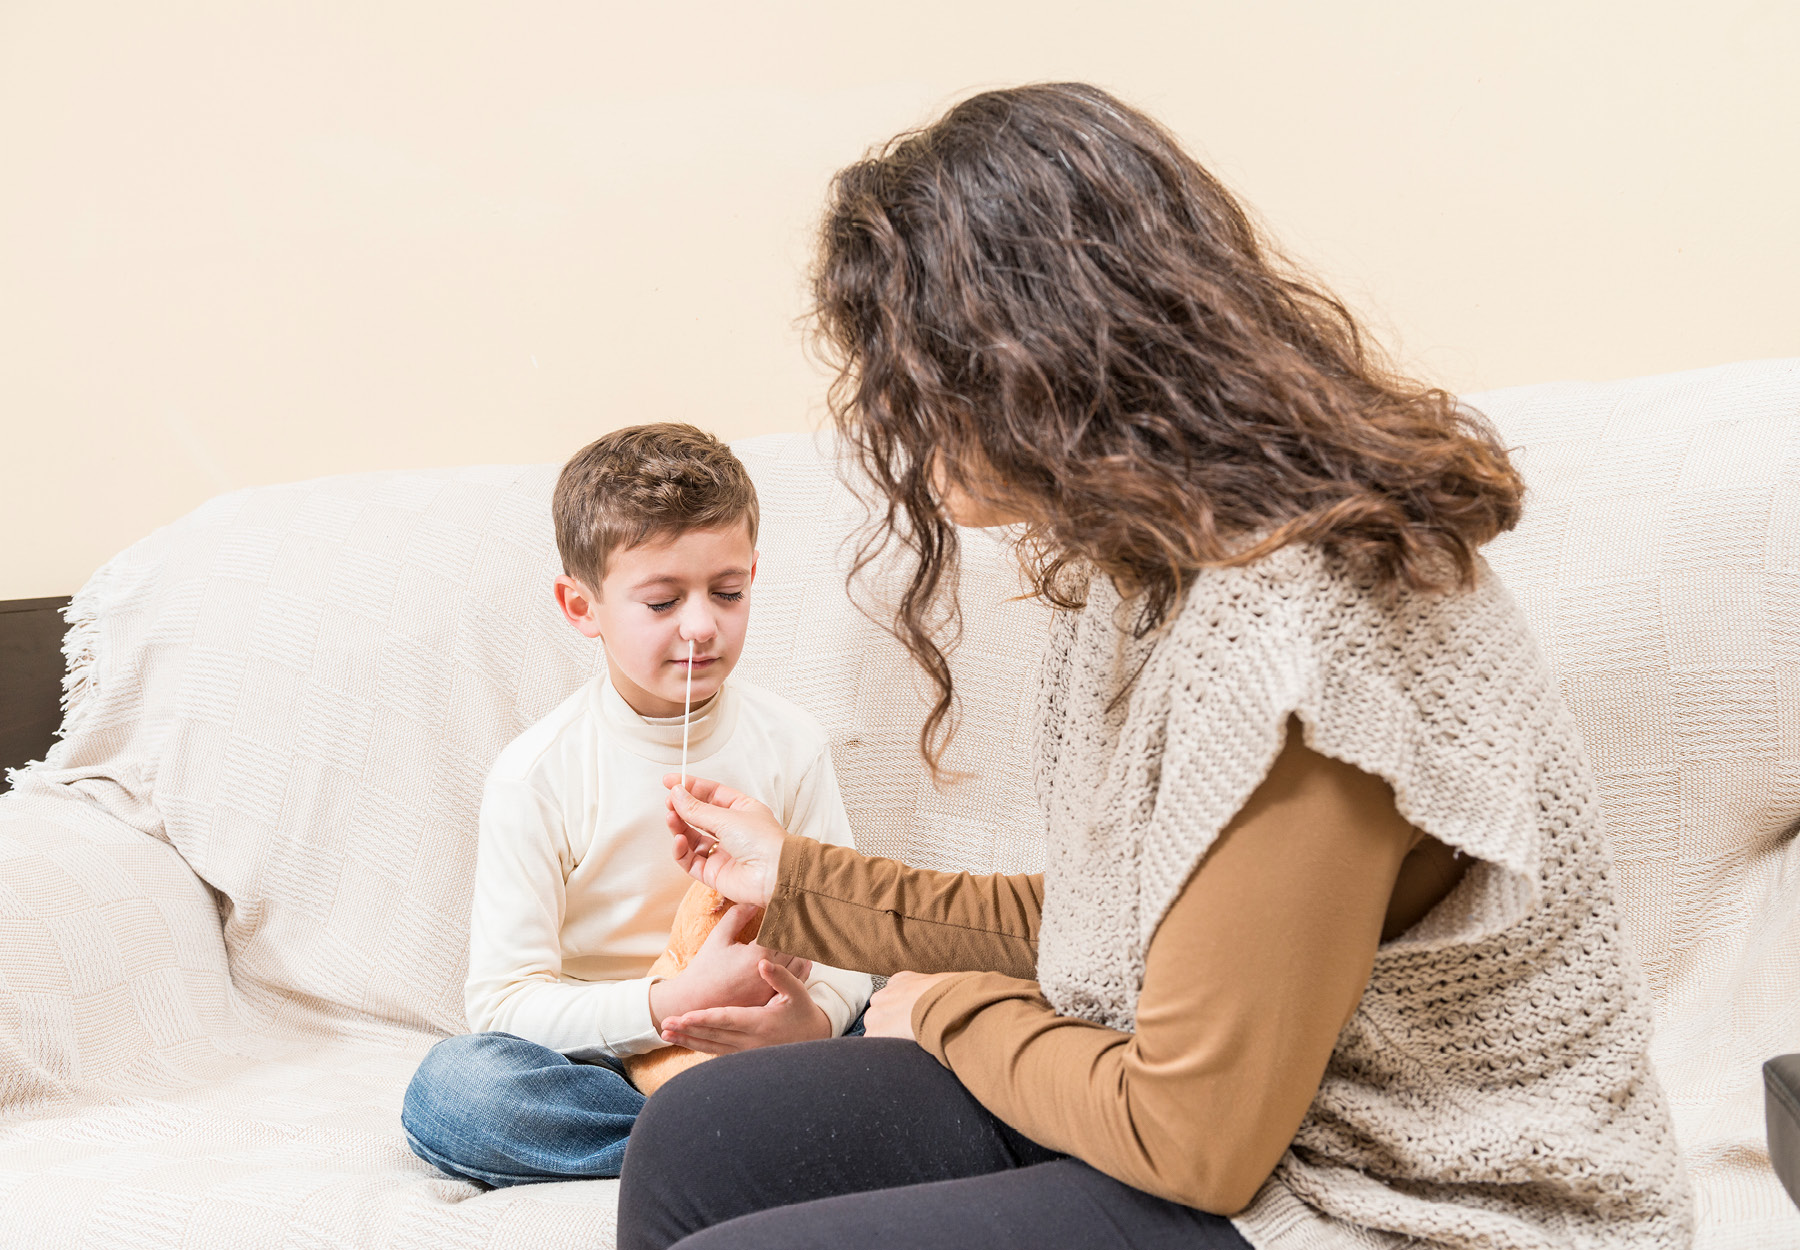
(789, 1016)
(724, 971)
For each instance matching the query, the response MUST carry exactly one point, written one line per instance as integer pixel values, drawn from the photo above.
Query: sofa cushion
(302, 687)
(299, 688)
(1659, 564)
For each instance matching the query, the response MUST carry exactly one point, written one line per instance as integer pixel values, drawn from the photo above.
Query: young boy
(575, 886)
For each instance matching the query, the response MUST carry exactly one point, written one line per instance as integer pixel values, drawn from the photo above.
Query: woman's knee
(771, 1087)
(680, 1120)
(790, 1124)
(678, 1136)
(711, 1121)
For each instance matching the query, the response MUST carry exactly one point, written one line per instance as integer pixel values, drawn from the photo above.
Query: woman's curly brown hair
(1042, 302)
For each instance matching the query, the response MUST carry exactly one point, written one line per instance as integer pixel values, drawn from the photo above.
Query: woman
(1325, 952)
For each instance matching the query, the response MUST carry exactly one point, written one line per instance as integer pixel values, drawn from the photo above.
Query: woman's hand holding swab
(725, 839)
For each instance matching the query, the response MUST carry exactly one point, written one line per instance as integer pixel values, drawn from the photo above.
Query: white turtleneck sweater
(575, 886)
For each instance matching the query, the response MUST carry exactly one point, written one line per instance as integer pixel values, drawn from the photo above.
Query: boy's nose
(699, 628)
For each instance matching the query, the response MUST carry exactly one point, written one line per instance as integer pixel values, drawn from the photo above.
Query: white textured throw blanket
(233, 901)
(1493, 1087)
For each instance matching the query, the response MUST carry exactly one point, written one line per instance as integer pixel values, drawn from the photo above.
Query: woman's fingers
(691, 847)
(697, 816)
(703, 823)
(694, 865)
(701, 788)
(683, 845)
(706, 790)
(735, 850)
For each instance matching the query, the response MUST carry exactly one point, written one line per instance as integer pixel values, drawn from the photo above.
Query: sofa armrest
(31, 671)
(1781, 1111)
(114, 957)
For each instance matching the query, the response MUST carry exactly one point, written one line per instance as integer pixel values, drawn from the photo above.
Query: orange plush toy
(700, 910)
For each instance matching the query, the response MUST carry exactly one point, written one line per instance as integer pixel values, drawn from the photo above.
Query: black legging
(859, 1142)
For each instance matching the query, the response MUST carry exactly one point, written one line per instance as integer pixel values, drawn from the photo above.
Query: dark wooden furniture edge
(31, 669)
(1781, 1107)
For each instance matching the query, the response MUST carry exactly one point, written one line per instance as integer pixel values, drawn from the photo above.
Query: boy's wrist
(665, 1000)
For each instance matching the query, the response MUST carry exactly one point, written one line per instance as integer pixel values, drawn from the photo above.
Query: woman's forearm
(879, 915)
(1247, 982)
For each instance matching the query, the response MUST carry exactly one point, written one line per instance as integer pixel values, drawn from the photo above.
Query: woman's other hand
(790, 1015)
(890, 1011)
(725, 839)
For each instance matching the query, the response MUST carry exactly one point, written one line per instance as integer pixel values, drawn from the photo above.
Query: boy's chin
(668, 691)
(705, 687)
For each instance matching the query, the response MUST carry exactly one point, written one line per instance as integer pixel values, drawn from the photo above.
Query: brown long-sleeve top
(1248, 980)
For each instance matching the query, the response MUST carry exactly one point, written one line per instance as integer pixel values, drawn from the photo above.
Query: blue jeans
(497, 1109)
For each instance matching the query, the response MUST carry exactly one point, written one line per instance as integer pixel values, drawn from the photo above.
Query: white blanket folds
(233, 901)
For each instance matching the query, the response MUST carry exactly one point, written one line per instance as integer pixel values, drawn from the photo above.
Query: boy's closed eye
(727, 596)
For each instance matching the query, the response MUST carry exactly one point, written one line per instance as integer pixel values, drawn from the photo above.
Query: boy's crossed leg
(497, 1109)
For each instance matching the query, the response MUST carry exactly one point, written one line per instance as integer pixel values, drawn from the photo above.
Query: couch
(234, 895)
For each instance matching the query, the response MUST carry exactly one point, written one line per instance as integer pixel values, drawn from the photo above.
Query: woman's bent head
(1041, 304)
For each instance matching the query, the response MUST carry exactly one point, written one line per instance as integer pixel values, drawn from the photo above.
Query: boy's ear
(754, 557)
(577, 605)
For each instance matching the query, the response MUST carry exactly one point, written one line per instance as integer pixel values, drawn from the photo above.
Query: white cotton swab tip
(687, 710)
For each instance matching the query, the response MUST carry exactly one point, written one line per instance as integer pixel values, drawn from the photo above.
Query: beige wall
(243, 242)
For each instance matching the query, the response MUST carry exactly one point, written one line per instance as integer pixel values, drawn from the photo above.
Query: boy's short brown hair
(644, 482)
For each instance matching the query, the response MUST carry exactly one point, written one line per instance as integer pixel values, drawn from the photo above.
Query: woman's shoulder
(1334, 637)
(1299, 618)
(1304, 596)
(1444, 694)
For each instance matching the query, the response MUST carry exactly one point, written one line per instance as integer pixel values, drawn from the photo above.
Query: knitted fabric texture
(1492, 1088)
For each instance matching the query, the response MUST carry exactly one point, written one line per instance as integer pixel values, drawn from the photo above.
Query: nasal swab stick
(687, 710)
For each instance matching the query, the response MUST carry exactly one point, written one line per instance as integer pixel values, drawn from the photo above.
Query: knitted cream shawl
(1493, 1087)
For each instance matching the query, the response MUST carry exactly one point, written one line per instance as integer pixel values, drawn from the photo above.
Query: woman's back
(1494, 1077)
